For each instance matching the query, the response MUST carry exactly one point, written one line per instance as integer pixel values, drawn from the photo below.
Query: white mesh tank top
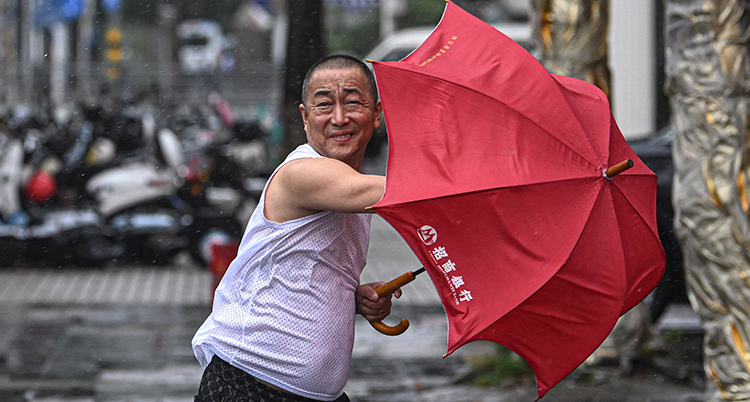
(284, 311)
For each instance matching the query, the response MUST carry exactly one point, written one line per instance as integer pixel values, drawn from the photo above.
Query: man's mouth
(341, 137)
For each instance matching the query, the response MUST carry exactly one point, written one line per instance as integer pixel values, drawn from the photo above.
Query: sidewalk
(184, 283)
(122, 334)
(130, 353)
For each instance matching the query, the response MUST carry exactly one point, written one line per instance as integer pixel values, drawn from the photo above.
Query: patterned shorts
(222, 382)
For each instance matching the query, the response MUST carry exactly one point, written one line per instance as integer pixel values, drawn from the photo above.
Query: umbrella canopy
(495, 181)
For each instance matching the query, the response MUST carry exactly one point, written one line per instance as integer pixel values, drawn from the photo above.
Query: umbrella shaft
(391, 286)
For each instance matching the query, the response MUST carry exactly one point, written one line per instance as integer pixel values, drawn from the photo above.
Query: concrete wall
(632, 61)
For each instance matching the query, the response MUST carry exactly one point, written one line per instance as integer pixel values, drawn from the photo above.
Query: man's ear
(303, 112)
(378, 113)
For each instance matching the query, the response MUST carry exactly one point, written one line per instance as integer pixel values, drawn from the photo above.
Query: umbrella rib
(628, 198)
(594, 179)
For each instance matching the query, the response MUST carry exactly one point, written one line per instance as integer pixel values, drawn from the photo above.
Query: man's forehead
(346, 78)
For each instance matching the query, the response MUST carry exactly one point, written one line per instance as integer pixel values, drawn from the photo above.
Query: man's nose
(340, 117)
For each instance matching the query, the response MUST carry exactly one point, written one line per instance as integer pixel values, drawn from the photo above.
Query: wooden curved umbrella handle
(386, 290)
(386, 329)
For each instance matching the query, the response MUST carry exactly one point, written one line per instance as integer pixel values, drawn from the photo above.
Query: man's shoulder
(303, 151)
(296, 183)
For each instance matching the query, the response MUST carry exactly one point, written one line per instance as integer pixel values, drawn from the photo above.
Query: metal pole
(58, 66)
(167, 19)
(32, 55)
(4, 59)
(387, 17)
(8, 54)
(24, 66)
(83, 55)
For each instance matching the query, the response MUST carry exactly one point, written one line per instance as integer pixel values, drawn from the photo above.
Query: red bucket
(222, 255)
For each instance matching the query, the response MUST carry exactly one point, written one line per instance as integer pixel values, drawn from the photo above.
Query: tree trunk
(304, 47)
(708, 85)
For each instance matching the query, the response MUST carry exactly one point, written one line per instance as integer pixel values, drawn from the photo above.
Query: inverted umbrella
(496, 179)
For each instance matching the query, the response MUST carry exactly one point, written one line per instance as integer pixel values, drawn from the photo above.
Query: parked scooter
(31, 231)
(225, 171)
(134, 199)
(108, 185)
(90, 203)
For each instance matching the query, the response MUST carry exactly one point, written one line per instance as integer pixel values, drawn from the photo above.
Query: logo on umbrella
(428, 234)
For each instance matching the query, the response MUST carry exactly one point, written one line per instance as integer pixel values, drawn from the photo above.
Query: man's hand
(370, 305)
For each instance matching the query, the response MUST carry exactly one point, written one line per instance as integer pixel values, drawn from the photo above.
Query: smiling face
(340, 114)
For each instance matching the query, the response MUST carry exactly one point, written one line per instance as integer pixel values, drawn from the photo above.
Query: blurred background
(57, 51)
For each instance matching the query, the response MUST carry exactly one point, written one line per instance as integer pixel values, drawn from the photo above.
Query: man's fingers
(370, 305)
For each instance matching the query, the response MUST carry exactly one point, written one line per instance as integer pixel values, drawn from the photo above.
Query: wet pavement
(122, 334)
(98, 352)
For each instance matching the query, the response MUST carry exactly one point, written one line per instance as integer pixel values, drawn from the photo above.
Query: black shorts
(222, 382)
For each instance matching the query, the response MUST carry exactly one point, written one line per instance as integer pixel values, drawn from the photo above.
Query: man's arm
(306, 186)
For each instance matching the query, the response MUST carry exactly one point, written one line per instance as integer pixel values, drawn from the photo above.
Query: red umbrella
(495, 179)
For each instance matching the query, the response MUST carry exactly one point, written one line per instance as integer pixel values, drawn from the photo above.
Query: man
(282, 325)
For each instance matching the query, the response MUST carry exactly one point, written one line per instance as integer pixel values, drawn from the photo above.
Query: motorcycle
(225, 171)
(91, 203)
(108, 184)
(30, 230)
(134, 199)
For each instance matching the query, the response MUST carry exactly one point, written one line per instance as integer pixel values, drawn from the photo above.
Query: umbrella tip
(613, 171)
(368, 60)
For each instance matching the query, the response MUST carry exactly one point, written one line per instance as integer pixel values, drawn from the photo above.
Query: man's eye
(323, 107)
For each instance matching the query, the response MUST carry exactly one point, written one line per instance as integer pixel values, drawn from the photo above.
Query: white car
(401, 43)
(201, 43)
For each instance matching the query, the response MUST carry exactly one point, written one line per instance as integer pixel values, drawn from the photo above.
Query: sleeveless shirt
(284, 311)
